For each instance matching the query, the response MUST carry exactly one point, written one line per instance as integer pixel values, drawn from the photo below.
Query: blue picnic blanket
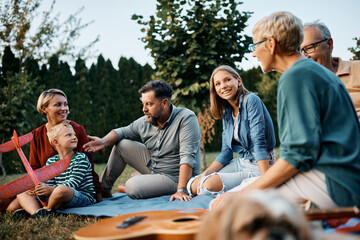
(120, 203)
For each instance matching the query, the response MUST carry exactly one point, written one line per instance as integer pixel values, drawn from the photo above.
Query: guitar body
(158, 225)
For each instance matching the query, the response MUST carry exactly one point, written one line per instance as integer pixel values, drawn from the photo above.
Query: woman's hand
(263, 165)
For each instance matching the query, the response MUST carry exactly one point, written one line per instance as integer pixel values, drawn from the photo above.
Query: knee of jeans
(213, 184)
(132, 189)
(207, 189)
(189, 185)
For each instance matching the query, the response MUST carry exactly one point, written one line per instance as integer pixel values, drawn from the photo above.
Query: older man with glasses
(318, 45)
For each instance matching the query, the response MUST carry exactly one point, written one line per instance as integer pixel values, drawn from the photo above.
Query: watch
(183, 190)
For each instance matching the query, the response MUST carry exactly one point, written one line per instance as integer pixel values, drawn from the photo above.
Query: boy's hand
(43, 189)
(31, 192)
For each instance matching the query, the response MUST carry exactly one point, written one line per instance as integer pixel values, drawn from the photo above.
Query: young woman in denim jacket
(247, 130)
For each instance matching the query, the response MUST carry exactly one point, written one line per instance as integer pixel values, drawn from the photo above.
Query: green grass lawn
(60, 227)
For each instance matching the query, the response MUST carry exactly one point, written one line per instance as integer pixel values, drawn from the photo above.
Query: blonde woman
(53, 105)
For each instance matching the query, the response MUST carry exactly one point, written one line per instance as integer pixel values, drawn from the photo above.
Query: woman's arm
(280, 172)
(214, 167)
(257, 126)
(263, 166)
(226, 153)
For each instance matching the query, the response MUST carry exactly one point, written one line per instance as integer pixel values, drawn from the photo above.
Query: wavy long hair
(217, 104)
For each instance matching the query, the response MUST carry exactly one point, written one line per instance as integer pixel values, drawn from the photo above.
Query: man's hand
(97, 143)
(181, 196)
(94, 145)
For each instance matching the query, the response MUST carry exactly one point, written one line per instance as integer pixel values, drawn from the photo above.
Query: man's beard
(153, 120)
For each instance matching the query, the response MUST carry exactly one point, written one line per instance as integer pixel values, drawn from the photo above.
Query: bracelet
(183, 190)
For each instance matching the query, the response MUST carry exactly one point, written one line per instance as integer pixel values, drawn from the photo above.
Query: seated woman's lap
(306, 186)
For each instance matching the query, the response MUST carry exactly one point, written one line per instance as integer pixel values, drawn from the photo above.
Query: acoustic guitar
(330, 213)
(152, 225)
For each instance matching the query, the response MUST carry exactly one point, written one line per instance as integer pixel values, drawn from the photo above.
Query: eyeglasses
(252, 47)
(310, 48)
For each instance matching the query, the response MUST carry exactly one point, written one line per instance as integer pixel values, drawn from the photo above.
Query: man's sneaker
(20, 214)
(42, 212)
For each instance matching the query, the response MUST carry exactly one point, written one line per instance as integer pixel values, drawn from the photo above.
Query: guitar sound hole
(184, 219)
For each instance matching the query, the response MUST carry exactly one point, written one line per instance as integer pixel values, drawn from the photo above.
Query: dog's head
(257, 215)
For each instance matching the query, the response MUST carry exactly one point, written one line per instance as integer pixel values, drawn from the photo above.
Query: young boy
(72, 188)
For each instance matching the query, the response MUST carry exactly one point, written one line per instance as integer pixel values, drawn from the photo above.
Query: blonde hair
(217, 104)
(284, 27)
(55, 131)
(45, 97)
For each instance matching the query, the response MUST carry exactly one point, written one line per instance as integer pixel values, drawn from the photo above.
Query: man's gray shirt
(176, 143)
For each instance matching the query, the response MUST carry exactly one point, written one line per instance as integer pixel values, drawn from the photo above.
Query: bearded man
(168, 154)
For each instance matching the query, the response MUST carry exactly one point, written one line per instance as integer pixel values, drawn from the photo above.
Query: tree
(22, 46)
(15, 101)
(188, 39)
(356, 50)
(132, 76)
(81, 105)
(187, 47)
(50, 37)
(251, 78)
(267, 90)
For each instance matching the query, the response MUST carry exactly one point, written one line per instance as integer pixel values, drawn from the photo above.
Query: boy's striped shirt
(78, 175)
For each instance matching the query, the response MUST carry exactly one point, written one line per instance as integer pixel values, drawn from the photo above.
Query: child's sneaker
(20, 214)
(42, 212)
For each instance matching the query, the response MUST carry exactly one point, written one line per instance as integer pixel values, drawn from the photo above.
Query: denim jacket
(256, 131)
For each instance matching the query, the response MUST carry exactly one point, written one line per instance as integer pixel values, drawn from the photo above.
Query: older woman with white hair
(318, 125)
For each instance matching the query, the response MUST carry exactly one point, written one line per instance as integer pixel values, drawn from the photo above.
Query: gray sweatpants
(141, 186)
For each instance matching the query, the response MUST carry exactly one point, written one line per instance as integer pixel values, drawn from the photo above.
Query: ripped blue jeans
(232, 174)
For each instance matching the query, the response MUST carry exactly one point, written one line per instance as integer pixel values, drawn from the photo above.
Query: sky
(119, 35)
